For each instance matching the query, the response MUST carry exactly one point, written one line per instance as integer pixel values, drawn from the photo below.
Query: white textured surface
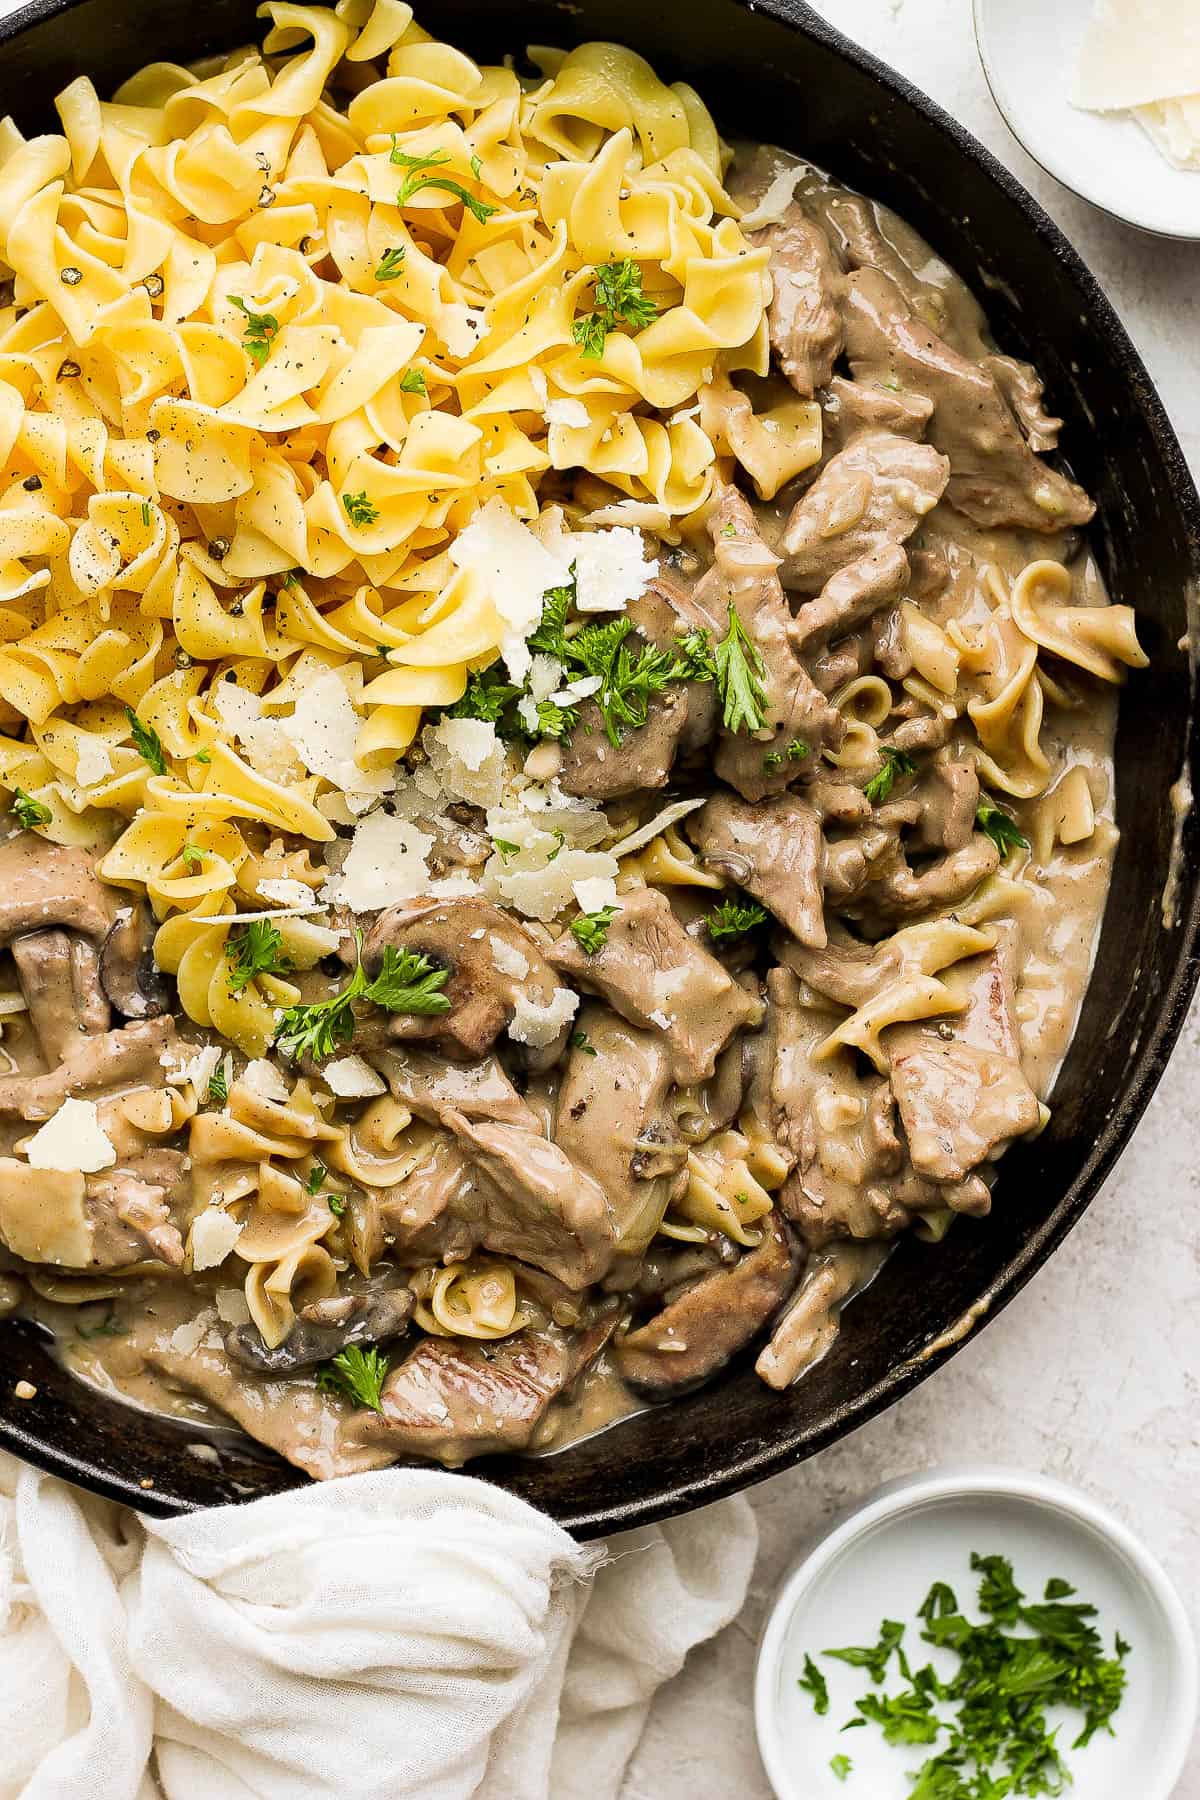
(1091, 1373)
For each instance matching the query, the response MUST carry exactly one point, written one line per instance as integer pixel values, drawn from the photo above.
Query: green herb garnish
(145, 513)
(506, 848)
(620, 300)
(359, 509)
(797, 750)
(257, 949)
(406, 982)
(895, 762)
(29, 812)
(218, 1085)
(739, 668)
(259, 333)
(733, 918)
(1001, 827)
(336, 1204)
(582, 1042)
(418, 177)
(192, 858)
(841, 1765)
(412, 382)
(813, 1682)
(390, 264)
(146, 742)
(590, 930)
(356, 1374)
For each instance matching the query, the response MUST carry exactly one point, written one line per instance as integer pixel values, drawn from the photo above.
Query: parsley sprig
(257, 949)
(390, 265)
(991, 1737)
(357, 1375)
(359, 510)
(406, 982)
(739, 667)
(895, 762)
(590, 930)
(29, 812)
(734, 918)
(1001, 827)
(259, 332)
(619, 301)
(146, 742)
(218, 1086)
(418, 177)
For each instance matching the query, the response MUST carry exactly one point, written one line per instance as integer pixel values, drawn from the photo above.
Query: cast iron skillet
(771, 69)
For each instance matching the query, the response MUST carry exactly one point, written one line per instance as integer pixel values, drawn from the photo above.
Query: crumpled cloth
(406, 1632)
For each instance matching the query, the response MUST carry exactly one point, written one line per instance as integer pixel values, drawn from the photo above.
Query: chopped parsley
(419, 177)
(218, 1085)
(582, 1042)
(316, 1178)
(797, 750)
(359, 509)
(990, 1737)
(390, 265)
(895, 762)
(841, 1765)
(406, 982)
(145, 513)
(1001, 827)
(257, 949)
(336, 1204)
(590, 930)
(29, 812)
(733, 918)
(192, 858)
(204, 756)
(620, 300)
(694, 652)
(259, 333)
(146, 742)
(357, 1375)
(412, 382)
(739, 667)
(772, 760)
(628, 676)
(506, 848)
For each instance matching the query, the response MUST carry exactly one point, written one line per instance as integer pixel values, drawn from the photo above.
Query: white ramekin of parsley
(976, 1636)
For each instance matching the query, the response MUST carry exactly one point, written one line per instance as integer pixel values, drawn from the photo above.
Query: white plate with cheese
(1031, 55)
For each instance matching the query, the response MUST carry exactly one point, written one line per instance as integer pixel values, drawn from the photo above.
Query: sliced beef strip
(613, 1117)
(995, 476)
(135, 1055)
(659, 978)
(323, 1329)
(850, 407)
(464, 935)
(848, 600)
(432, 1087)
(44, 885)
(594, 768)
(744, 575)
(960, 1089)
(697, 1333)
(59, 977)
(939, 811)
(664, 613)
(872, 494)
(1021, 386)
(897, 891)
(773, 850)
(804, 318)
(536, 1205)
(436, 1213)
(812, 1321)
(451, 1400)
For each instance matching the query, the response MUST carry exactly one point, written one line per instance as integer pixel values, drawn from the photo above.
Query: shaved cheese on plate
(572, 413)
(1137, 53)
(386, 863)
(72, 1141)
(595, 892)
(286, 892)
(537, 1025)
(611, 568)
(670, 815)
(508, 959)
(775, 200)
(513, 569)
(323, 730)
(94, 762)
(213, 1235)
(350, 1078)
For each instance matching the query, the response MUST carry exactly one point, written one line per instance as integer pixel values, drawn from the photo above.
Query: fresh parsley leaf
(620, 300)
(797, 750)
(1001, 827)
(549, 638)
(841, 1766)
(629, 676)
(476, 167)
(29, 812)
(406, 982)
(418, 177)
(218, 1085)
(317, 1177)
(359, 509)
(772, 760)
(145, 513)
(259, 332)
(192, 859)
(391, 264)
(694, 654)
(506, 848)
(146, 742)
(412, 382)
(733, 918)
(336, 1204)
(998, 1592)
(590, 930)
(873, 1658)
(813, 1682)
(357, 1375)
(895, 762)
(204, 756)
(582, 1042)
(590, 331)
(905, 1718)
(487, 697)
(256, 949)
(739, 669)
(554, 721)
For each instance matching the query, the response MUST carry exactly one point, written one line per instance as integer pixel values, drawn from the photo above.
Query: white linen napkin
(403, 1633)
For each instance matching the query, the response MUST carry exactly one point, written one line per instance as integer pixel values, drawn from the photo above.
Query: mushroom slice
(129, 975)
(324, 1328)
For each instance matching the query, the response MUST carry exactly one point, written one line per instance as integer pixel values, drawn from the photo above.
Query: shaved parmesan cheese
(266, 1080)
(545, 673)
(199, 1069)
(611, 568)
(287, 893)
(508, 959)
(350, 1078)
(323, 730)
(231, 1306)
(527, 710)
(774, 202)
(631, 512)
(572, 413)
(537, 1025)
(213, 1235)
(186, 1339)
(93, 762)
(645, 834)
(470, 741)
(460, 328)
(595, 893)
(72, 1141)
(468, 760)
(1139, 52)
(386, 863)
(540, 881)
(263, 741)
(514, 570)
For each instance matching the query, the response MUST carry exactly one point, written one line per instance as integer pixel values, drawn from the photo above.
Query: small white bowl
(1030, 52)
(881, 1562)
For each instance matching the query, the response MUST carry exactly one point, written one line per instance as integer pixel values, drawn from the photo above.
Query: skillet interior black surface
(775, 72)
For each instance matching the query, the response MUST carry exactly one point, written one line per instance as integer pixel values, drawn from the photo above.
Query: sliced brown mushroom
(324, 1328)
(129, 974)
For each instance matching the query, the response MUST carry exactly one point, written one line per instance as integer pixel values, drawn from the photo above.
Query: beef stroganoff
(557, 721)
